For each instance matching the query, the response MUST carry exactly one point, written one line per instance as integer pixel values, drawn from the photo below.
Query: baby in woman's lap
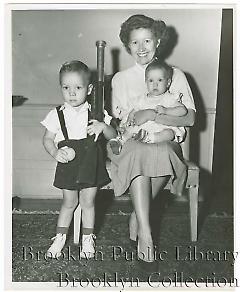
(158, 77)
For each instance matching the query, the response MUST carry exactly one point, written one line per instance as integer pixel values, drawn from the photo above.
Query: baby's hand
(96, 128)
(130, 119)
(61, 156)
(160, 109)
(122, 129)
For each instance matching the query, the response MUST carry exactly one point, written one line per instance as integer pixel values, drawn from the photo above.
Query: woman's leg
(157, 183)
(141, 195)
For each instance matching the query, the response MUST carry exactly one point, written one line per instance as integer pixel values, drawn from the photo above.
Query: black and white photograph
(98, 198)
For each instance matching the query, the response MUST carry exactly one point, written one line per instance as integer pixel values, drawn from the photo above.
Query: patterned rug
(178, 257)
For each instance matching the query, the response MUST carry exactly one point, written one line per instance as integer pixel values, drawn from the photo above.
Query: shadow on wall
(171, 44)
(200, 119)
(199, 126)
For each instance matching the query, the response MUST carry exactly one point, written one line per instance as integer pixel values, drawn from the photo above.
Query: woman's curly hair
(157, 27)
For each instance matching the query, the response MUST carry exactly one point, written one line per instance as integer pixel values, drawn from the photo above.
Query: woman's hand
(96, 128)
(142, 116)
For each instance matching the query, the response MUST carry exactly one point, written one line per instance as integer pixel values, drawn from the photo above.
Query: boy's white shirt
(76, 121)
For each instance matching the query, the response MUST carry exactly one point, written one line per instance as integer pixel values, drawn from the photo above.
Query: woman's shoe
(116, 145)
(145, 251)
(146, 260)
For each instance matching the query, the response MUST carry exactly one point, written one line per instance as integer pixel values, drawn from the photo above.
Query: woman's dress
(145, 159)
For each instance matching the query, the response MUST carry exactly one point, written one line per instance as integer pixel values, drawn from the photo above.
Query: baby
(158, 77)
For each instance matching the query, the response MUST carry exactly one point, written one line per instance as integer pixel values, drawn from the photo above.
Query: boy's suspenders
(62, 121)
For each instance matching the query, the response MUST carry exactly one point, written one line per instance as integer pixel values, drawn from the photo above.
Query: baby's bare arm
(178, 110)
(184, 121)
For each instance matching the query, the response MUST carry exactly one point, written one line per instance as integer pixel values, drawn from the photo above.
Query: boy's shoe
(116, 145)
(88, 246)
(55, 249)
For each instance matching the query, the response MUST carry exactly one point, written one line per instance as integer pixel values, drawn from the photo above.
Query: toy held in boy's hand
(70, 153)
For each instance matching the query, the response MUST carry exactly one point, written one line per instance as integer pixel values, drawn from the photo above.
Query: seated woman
(145, 168)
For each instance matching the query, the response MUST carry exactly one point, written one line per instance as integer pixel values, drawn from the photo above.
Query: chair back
(185, 144)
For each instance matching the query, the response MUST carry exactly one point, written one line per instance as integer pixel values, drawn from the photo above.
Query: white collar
(142, 67)
(82, 107)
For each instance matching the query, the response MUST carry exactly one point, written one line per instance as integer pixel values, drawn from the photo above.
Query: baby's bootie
(116, 145)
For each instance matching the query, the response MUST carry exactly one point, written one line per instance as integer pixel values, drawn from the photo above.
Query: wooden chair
(192, 185)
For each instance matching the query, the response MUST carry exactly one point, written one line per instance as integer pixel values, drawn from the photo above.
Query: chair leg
(77, 224)
(193, 205)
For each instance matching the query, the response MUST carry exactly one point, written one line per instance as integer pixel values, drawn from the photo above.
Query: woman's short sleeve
(51, 122)
(180, 85)
(119, 97)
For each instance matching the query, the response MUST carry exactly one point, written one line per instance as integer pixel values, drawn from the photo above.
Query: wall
(43, 40)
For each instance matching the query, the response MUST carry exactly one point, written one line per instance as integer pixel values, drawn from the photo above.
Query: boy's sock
(87, 231)
(62, 230)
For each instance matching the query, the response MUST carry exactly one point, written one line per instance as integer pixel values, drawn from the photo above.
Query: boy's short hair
(75, 66)
(158, 64)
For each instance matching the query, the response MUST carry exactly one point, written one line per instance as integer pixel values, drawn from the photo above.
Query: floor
(34, 224)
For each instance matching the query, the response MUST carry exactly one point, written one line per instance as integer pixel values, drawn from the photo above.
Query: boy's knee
(87, 203)
(70, 204)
